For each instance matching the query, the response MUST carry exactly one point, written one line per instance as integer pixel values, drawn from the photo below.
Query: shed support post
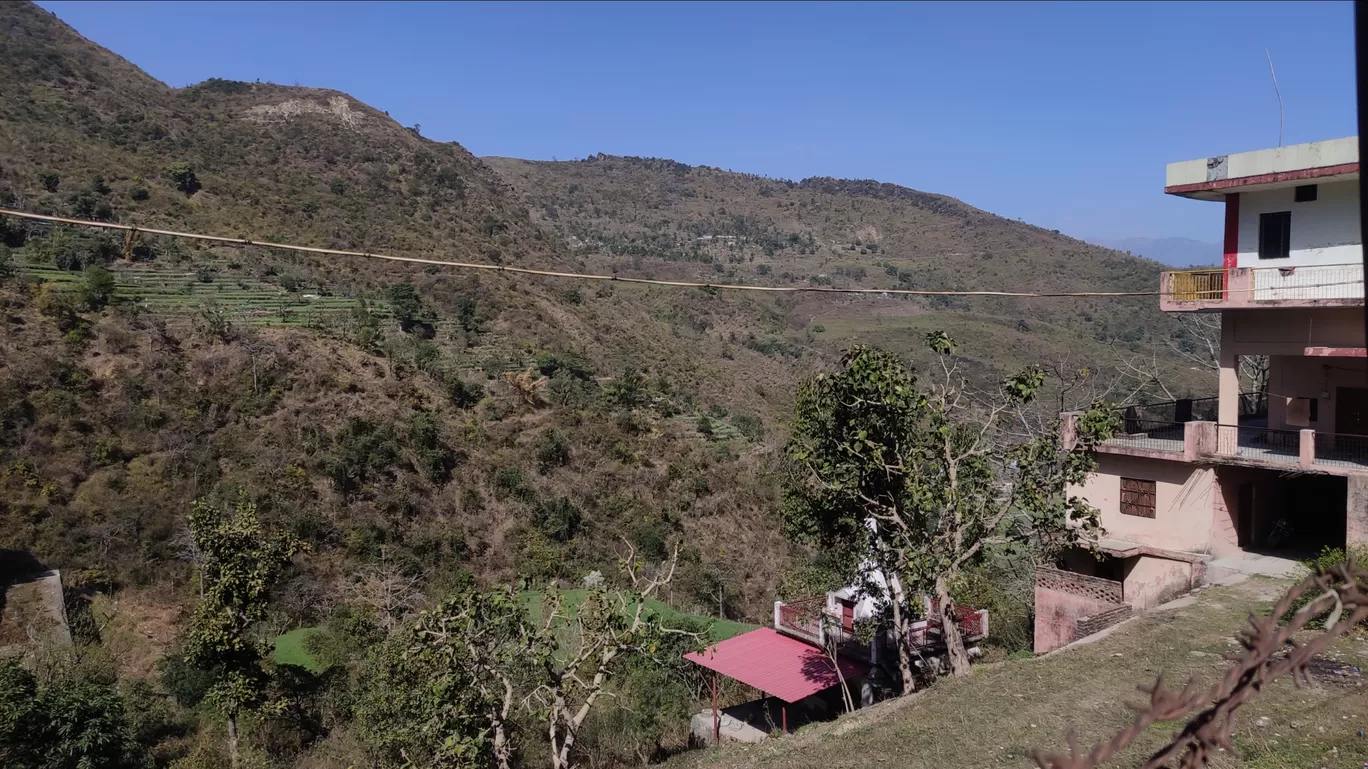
(717, 722)
(783, 714)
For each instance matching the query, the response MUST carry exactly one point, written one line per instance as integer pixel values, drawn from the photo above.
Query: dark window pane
(1305, 193)
(1275, 235)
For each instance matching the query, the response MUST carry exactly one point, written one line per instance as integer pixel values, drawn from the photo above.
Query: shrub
(405, 304)
(139, 193)
(467, 316)
(97, 290)
(572, 364)
(509, 484)
(185, 682)
(558, 519)
(183, 176)
(462, 394)
(552, 450)
(50, 181)
(1327, 558)
(749, 425)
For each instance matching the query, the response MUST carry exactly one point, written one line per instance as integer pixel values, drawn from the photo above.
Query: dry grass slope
(995, 717)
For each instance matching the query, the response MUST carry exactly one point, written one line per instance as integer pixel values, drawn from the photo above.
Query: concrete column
(1356, 510)
(1199, 440)
(1068, 430)
(1228, 410)
(1307, 448)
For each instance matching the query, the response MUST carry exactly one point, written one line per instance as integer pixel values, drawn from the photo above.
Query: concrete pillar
(1307, 448)
(1228, 410)
(1356, 510)
(1199, 440)
(1228, 407)
(1068, 430)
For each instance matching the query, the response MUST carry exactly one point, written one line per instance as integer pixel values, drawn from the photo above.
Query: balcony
(1187, 431)
(1331, 285)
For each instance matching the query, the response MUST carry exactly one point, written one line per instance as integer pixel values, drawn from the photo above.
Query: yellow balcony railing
(1197, 285)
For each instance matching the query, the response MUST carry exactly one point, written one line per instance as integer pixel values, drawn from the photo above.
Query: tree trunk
(234, 760)
(902, 639)
(954, 642)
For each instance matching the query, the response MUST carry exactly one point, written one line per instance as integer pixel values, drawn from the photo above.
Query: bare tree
(393, 595)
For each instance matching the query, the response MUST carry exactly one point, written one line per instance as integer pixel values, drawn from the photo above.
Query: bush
(552, 450)
(1328, 558)
(571, 363)
(405, 304)
(97, 290)
(185, 682)
(558, 519)
(183, 176)
(66, 722)
(139, 193)
(462, 394)
(50, 181)
(509, 484)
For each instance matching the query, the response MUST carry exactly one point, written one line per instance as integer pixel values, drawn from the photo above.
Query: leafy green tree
(405, 304)
(65, 723)
(467, 316)
(97, 290)
(920, 482)
(183, 176)
(447, 692)
(242, 560)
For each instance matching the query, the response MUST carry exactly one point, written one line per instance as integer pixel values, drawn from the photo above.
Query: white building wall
(1324, 231)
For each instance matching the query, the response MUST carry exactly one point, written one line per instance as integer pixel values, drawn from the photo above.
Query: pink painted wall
(1303, 377)
(1289, 331)
(1183, 509)
(1055, 613)
(1151, 581)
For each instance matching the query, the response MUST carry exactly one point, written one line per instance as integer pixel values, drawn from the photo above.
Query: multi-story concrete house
(1280, 470)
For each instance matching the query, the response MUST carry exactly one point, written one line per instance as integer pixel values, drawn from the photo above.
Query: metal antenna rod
(1279, 94)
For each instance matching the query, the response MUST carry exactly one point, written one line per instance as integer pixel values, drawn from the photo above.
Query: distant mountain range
(1179, 252)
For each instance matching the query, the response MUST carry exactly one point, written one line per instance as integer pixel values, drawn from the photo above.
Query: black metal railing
(1258, 442)
(1341, 450)
(1155, 434)
(1204, 409)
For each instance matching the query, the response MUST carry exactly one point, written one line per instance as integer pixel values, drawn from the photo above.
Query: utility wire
(134, 230)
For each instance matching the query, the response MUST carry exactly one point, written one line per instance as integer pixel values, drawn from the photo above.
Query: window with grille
(1137, 497)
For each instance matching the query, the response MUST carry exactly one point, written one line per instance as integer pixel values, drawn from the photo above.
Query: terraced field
(163, 291)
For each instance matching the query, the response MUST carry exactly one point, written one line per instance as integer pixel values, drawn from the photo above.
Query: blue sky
(1060, 114)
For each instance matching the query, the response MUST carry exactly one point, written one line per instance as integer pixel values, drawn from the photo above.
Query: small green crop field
(162, 290)
(290, 649)
(718, 629)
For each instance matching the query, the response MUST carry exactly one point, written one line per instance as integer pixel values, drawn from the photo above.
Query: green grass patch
(291, 649)
(718, 629)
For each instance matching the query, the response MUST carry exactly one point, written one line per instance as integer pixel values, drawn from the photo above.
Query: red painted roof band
(1282, 176)
(776, 664)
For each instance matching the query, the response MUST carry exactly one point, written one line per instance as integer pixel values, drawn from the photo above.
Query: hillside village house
(1190, 483)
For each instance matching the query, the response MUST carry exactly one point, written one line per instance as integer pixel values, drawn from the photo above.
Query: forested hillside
(412, 432)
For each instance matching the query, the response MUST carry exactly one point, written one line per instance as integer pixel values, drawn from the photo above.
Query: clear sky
(1060, 114)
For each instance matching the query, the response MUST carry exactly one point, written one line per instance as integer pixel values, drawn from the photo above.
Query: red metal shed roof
(776, 664)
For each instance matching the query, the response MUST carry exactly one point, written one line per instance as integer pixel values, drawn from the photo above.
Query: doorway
(1351, 410)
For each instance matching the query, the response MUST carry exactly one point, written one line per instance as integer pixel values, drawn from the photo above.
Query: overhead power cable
(614, 278)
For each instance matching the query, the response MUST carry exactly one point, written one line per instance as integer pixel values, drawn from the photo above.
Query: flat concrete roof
(1211, 178)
